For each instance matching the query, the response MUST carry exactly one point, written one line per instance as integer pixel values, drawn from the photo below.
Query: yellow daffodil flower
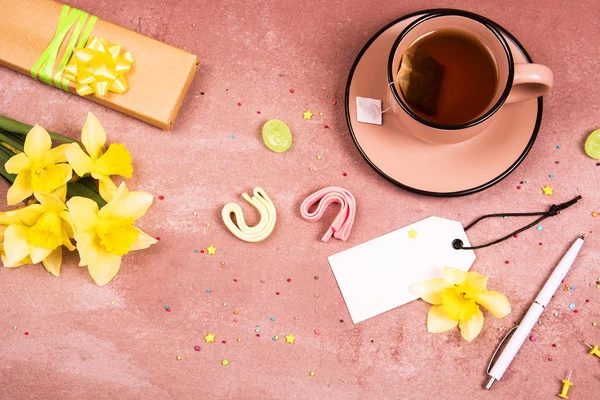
(5, 221)
(104, 236)
(37, 233)
(40, 168)
(456, 299)
(99, 162)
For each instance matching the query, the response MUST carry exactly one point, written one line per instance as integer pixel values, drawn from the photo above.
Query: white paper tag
(368, 110)
(377, 276)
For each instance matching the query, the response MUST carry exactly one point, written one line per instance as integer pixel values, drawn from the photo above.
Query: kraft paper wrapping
(158, 80)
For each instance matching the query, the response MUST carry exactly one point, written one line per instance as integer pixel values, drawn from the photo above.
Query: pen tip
(582, 237)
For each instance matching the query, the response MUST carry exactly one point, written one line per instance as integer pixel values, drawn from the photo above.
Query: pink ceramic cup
(516, 82)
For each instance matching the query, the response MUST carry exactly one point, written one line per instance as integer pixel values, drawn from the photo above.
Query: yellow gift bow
(99, 68)
(96, 68)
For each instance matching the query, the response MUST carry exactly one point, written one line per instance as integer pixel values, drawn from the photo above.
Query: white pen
(532, 316)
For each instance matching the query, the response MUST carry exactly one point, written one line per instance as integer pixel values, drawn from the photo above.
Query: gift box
(44, 39)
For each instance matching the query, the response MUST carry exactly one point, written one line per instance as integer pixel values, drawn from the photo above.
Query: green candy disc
(592, 145)
(277, 135)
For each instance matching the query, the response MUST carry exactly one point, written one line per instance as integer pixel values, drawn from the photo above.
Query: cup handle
(530, 81)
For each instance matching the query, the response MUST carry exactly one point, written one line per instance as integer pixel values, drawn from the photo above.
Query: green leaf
(10, 141)
(78, 188)
(10, 125)
(5, 155)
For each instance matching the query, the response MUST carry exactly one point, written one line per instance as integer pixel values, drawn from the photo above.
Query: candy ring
(260, 231)
(342, 224)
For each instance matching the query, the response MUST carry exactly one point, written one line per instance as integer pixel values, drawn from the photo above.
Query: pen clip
(489, 368)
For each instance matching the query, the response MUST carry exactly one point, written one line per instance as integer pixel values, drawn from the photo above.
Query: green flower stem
(10, 125)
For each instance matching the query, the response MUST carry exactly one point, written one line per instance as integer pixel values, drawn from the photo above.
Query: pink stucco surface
(80, 346)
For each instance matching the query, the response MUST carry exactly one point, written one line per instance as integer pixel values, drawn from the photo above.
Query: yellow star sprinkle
(548, 191)
(412, 234)
(209, 338)
(211, 250)
(308, 115)
(289, 339)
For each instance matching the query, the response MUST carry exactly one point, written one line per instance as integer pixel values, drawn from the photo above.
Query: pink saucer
(436, 170)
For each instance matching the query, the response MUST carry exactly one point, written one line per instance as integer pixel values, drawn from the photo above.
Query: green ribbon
(70, 18)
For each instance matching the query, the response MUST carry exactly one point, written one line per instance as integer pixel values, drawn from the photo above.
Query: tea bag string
(552, 211)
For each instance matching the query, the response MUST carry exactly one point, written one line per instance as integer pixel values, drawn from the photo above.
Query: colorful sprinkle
(239, 104)
(239, 339)
(532, 338)
(558, 147)
(207, 290)
(311, 373)
(316, 277)
(178, 357)
(15, 328)
(197, 348)
(539, 228)
(161, 197)
(550, 176)
(553, 344)
(594, 324)
(291, 90)
(344, 174)
(319, 158)
(594, 214)
(334, 102)
(317, 331)
(26, 333)
(272, 319)
(275, 337)
(556, 313)
(233, 136)
(225, 362)
(277, 293)
(548, 191)
(506, 262)
(572, 306)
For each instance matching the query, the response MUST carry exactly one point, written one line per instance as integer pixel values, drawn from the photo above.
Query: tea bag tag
(368, 110)
(378, 275)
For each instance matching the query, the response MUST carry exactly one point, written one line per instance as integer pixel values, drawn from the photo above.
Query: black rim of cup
(458, 13)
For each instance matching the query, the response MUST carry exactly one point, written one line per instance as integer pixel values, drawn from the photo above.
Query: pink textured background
(81, 346)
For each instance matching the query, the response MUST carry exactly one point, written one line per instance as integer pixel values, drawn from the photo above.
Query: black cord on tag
(554, 210)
